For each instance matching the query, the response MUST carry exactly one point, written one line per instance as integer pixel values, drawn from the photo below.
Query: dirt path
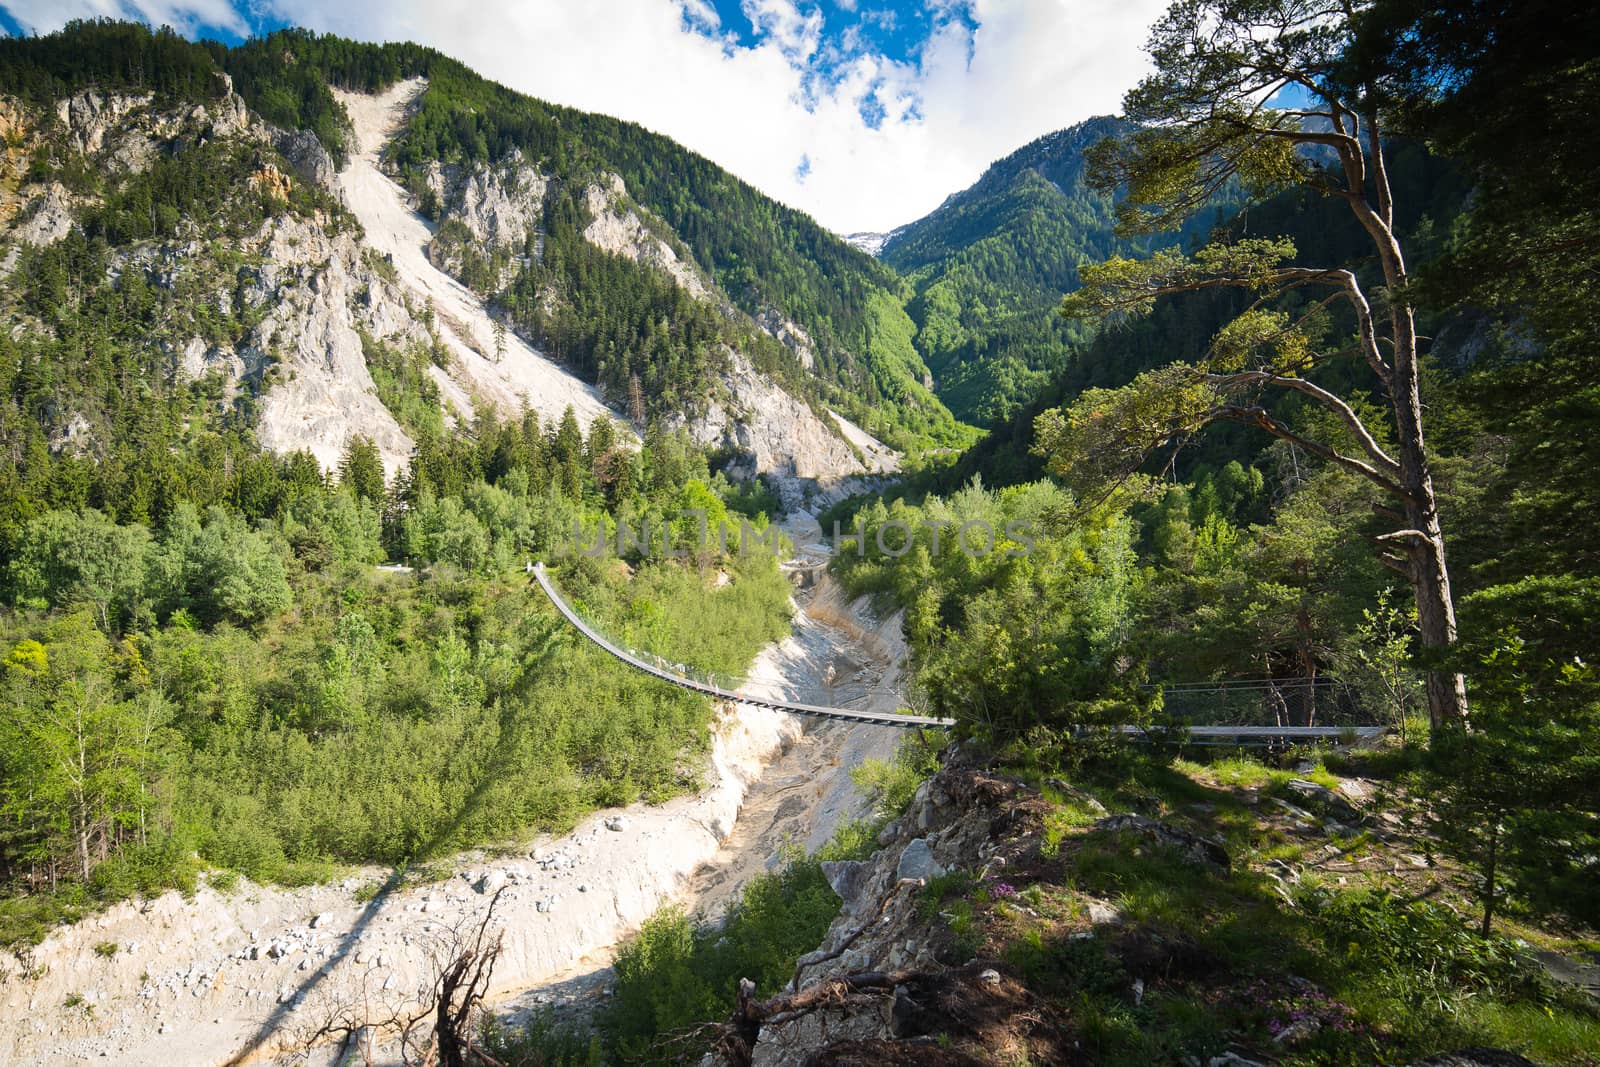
(466, 328)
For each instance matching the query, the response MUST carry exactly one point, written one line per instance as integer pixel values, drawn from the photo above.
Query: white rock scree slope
(519, 374)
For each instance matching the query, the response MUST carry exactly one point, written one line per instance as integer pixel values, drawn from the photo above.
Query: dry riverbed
(253, 973)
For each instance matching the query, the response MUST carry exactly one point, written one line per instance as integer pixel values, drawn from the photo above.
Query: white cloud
(702, 13)
(1030, 67)
(797, 33)
(185, 16)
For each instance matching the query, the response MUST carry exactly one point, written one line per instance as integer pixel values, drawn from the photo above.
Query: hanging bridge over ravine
(685, 678)
(742, 692)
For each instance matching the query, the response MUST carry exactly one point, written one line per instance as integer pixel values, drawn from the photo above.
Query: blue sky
(895, 30)
(866, 113)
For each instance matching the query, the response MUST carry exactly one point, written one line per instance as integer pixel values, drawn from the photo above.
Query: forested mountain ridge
(772, 263)
(169, 266)
(989, 264)
(220, 408)
(659, 333)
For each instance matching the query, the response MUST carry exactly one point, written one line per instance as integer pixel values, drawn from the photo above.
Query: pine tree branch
(1337, 405)
(1262, 418)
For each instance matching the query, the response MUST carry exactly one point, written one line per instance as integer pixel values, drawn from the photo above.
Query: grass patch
(890, 784)
(1205, 960)
(1535, 1030)
(1065, 818)
(27, 920)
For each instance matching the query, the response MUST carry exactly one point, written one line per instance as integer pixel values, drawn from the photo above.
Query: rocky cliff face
(322, 294)
(616, 227)
(127, 132)
(805, 454)
(309, 285)
(812, 457)
(497, 208)
(301, 280)
(482, 366)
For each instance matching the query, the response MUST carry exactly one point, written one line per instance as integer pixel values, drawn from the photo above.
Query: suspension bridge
(743, 692)
(687, 678)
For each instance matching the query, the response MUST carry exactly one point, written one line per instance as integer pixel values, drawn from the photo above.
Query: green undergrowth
(890, 784)
(385, 720)
(1271, 958)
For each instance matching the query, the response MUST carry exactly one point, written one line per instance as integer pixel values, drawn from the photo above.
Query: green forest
(1190, 454)
(245, 693)
(1201, 462)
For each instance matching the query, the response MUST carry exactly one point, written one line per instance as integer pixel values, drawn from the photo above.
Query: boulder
(1104, 914)
(847, 878)
(1353, 789)
(1297, 1032)
(1193, 847)
(1324, 799)
(917, 862)
(303, 152)
(492, 883)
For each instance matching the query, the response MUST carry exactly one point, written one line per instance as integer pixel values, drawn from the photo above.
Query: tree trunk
(83, 844)
(1430, 577)
(1308, 671)
(1489, 873)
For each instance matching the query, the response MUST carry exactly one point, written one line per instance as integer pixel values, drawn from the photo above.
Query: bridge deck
(1227, 735)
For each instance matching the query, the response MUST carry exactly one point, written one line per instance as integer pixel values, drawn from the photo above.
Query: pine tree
(1202, 126)
(566, 455)
(361, 469)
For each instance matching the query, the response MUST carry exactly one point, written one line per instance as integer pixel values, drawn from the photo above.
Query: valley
(1212, 475)
(252, 972)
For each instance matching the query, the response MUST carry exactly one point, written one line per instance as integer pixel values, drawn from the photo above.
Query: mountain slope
(1429, 192)
(511, 374)
(990, 264)
(782, 273)
(330, 311)
(179, 293)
